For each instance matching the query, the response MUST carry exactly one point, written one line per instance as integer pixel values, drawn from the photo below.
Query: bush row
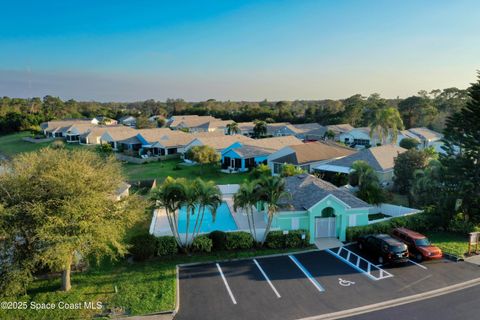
(292, 239)
(420, 222)
(146, 246)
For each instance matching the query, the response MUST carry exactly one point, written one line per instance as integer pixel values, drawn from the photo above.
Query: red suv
(418, 245)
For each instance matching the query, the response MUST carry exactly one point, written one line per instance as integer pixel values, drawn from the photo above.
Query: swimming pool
(223, 220)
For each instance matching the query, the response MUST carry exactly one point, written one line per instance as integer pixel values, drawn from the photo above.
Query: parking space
(306, 284)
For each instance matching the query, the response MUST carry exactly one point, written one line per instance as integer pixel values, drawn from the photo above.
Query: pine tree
(462, 158)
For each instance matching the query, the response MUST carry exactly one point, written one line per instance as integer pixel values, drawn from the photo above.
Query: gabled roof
(314, 151)
(246, 151)
(339, 128)
(307, 190)
(97, 131)
(63, 125)
(275, 143)
(224, 141)
(166, 137)
(426, 134)
(380, 158)
(120, 132)
(190, 121)
(309, 128)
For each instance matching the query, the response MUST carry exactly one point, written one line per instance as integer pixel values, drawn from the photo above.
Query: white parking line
(418, 264)
(226, 284)
(307, 274)
(266, 278)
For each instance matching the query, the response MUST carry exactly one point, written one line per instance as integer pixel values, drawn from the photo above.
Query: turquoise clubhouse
(320, 207)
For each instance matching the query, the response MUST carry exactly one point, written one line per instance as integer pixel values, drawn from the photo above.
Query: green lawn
(144, 287)
(162, 169)
(13, 144)
(453, 243)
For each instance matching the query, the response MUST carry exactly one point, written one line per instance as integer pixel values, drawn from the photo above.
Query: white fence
(228, 189)
(391, 210)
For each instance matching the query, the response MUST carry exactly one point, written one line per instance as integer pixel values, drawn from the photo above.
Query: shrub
(420, 222)
(239, 240)
(460, 225)
(143, 247)
(275, 240)
(57, 144)
(294, 239)
(409, 143)
(219, 238)
(202, 244)
(166, 246)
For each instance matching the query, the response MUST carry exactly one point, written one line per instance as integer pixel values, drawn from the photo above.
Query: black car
(384, 248)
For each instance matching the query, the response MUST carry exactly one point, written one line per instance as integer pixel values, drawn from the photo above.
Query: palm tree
(271, 189)
(232, 128)
(170, 195)
(369, 188)
(386, 123)
(208, 197)
(260, 128)
(190, 203)
(245, 198)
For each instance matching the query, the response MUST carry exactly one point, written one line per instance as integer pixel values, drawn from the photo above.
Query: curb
(395, 302)
(242, 259)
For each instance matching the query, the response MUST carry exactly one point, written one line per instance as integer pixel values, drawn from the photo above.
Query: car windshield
(422, 242)
(398, 249)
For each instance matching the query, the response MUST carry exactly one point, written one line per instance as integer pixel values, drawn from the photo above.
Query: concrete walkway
(327, 243)
(474, 259)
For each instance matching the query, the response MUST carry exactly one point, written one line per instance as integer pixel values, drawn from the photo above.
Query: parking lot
(306, 284)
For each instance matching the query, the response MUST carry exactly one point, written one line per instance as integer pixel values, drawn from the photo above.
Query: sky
(236, 50)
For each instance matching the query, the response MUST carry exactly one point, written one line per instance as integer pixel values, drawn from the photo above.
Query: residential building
(62, 128)
(319, 207)
(102, 120)
(243, 156)
(194, 123)
(219, 143)
(307, 156)
(338, 129)
(426, 137)
(381, 159)
(129, 121)
(163, 141)
(121, 138)
(309, 131)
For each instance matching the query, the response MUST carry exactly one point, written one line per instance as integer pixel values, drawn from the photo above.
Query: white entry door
(325, 227)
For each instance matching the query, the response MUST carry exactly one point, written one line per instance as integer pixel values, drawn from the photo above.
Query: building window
(361, 142)
(277, 168)
(172, 151)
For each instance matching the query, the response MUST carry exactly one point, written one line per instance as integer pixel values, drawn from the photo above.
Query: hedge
(219, 238)
(239, 240)
(293, 239)
(144, 246)
(420, 222)
(166, 246)
(202, 244)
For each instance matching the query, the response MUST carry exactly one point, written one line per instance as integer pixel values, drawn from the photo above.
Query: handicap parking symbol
(345, 283)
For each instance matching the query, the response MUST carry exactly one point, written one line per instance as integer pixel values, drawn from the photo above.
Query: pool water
(223, 220)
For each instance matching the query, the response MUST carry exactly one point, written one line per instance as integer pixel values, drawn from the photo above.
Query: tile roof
(63, 125)
(307, 190)
(314, 151)
(380, 158)
(247, 151)
(166, 137)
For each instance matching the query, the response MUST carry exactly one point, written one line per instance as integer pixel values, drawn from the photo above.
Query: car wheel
(419, 257)
(380, 260)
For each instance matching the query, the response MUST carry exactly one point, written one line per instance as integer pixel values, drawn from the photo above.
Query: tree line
(430, 109)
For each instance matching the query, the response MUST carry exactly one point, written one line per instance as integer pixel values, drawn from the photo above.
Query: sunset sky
(236, 50)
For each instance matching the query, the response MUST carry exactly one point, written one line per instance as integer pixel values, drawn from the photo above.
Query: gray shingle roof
(380, 158)
(307, 190)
